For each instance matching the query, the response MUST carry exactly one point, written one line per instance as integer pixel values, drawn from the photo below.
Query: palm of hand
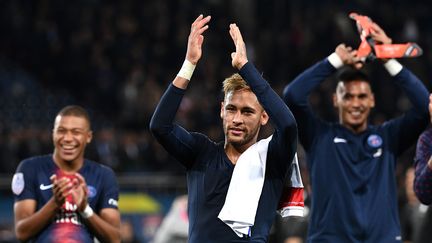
(79, 195)
(194, 49)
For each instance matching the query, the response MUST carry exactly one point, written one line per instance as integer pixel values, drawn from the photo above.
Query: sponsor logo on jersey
(18, 183)
(339, 140)
(45, 187)
(377, 153)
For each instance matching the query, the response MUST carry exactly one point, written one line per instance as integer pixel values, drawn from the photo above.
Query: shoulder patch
(18, 183)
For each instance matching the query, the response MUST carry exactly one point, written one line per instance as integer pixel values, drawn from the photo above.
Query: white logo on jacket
(339, 140)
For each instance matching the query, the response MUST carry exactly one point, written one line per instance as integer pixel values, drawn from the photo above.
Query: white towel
(245, 186)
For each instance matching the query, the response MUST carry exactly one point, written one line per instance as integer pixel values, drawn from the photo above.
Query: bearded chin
(238, 143)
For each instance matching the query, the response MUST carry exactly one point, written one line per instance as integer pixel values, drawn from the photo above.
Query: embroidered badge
(374, 141)
(91, 191)
(18, 183)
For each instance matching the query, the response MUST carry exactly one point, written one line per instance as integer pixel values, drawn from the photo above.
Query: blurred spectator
(413, 212)
(127, 232)
(174, 227)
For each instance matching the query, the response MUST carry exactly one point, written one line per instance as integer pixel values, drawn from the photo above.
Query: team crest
(91, 191)
(18, 183)
(374, 141)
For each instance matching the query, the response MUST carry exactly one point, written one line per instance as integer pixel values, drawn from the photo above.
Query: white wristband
(335, 60)
(186, 70)
(393, 67)
(87, 213)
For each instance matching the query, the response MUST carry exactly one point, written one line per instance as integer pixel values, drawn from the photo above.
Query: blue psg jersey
(354, 193)
(32, 181)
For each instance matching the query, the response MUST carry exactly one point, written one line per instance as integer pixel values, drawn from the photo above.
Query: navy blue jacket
(209, 170)
(354, 195)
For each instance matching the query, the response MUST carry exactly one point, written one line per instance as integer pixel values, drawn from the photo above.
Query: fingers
(196, 38)
(61, 188)
(80, 178)
(81, 182)
(235, 34)
(376, 28)
(239, 57)
(198, 18)
(200, 25)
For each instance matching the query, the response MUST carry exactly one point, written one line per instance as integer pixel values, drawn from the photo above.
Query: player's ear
(335, 100)
(89, 136)
(222, 110)
(264, 118)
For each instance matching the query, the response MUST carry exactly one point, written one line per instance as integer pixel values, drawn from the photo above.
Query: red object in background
(369, 49)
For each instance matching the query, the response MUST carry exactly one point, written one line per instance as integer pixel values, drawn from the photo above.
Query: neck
(233, 152)
(356, 129)
(68, 166)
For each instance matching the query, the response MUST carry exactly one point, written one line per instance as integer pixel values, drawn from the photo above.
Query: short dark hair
(75, 110)
(348, 74)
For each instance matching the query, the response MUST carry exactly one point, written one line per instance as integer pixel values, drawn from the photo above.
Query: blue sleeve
(110, 194)
(409, 126)
(423, 174)
(296, 96)
(284, 140)
(176, 140)
(23, 182)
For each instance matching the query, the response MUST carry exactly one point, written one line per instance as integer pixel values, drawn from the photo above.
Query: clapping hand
(239, 57)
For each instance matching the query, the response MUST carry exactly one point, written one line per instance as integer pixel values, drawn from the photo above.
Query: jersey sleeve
(410, 125)
(180, 143)
(110, 195)
(23, 182)
(296, 96)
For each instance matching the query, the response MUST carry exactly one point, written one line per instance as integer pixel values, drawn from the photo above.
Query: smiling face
(242, 117)
(354, 101)
(70, 136)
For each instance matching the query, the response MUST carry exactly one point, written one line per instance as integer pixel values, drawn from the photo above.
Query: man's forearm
(27, 227)
(105, 231)
(296, 93)
(414, 89)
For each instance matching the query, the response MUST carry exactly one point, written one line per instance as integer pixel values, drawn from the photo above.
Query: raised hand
(378, 34)
(195, 40)
(348, 56)
(239, 57)
(80, 192)
(61, 189)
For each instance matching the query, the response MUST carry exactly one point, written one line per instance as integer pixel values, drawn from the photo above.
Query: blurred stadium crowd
(116, 58)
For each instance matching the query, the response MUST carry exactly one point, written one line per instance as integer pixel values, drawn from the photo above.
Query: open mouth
(356, 114)
(68, 149)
